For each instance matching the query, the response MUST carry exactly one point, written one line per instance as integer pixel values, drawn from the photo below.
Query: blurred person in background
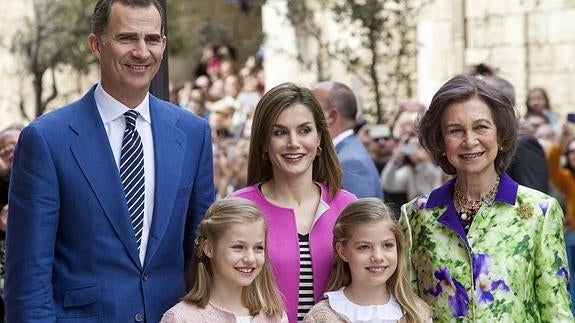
(227, 68)
(381, 146)
(208, 52)
(409, 173)
(546, 136)
(562, 175)
(8, 140)
(339, 105)
(532, 121)
(405, 117)
(230, 165)
(538, 103)
(197, 103)
(216, 90)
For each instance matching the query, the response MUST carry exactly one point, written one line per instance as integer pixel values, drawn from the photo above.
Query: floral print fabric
(510, 267)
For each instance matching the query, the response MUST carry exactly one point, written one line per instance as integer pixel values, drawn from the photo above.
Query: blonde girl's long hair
(367, 211)
(262, 295)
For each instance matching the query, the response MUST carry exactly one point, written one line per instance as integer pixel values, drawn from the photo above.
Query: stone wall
(530, 43)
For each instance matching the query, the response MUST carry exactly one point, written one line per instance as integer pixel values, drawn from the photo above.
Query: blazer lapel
(94, 156)
(169, 148)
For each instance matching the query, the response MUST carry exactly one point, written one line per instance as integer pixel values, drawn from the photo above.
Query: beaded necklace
(466, 208)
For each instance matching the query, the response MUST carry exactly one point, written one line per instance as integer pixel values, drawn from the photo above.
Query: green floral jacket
(510, 267)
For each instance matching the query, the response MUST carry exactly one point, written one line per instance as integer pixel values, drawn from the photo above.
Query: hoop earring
(319, 150)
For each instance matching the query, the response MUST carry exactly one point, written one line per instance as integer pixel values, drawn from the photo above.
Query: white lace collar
(387, 313)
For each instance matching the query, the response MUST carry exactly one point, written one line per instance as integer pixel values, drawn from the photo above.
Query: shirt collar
(339, 138)
(110, 109)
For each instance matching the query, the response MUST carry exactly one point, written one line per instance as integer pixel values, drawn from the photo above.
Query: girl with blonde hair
(231, 277)
(369, 281)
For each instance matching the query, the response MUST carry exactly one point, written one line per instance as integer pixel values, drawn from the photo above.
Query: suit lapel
(169, 148)
(92, 152)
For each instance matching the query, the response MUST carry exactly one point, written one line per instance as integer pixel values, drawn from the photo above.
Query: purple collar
(443, 196)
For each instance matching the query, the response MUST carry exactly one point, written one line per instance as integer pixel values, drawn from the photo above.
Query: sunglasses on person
(379, 138)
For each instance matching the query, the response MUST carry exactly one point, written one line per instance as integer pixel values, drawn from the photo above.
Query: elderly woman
(483, 248)
(296, 181)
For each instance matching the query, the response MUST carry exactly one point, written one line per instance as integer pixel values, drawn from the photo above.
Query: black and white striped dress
(305, 299)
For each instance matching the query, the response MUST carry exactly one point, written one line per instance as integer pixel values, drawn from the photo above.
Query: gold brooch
(525, 210)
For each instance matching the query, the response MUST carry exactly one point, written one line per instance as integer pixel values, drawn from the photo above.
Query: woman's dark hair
(462, 88)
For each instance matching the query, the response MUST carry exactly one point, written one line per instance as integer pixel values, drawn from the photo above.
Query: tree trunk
(38, 93)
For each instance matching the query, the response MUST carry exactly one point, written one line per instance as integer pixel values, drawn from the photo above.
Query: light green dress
(510, 267)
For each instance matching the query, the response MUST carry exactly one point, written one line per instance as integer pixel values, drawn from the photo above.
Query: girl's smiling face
(371, 253)
(239, 255)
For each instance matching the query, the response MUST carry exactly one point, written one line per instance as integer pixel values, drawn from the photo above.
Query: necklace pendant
(463, 216)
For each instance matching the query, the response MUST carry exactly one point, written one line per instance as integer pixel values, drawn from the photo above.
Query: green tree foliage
(178, 31)
(384, 60)
(302, 17)
(55, 36)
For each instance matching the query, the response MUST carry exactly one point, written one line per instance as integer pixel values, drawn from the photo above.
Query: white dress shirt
(339, 138)
(112, 114)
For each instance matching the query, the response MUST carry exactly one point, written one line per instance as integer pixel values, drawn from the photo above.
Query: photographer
(410, 172)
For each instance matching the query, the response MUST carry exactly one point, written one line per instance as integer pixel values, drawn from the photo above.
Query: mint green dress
(510, 267)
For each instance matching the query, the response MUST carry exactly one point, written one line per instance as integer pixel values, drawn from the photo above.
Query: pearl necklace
(466, 208)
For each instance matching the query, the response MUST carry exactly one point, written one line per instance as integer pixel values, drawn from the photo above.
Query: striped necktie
(132, 173)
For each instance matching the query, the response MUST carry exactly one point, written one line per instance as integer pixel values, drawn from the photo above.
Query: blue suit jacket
(359, 173)
(71, 250)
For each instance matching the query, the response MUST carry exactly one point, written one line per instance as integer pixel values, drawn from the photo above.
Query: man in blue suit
(78, 249)
(340, 107)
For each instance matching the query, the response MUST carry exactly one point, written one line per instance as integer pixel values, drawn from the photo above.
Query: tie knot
(131, 117)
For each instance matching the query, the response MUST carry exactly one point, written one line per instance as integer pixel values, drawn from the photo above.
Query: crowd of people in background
(309, 214)
(225, 92)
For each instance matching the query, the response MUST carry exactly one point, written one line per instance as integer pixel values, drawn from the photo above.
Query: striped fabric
(132, 173)
(305, 299)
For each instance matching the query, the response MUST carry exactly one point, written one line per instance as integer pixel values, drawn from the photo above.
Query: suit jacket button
(139, 317)
(145, 277)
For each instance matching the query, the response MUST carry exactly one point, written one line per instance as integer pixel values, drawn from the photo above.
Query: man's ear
(331, 115)
(341, 252)
(165, 42)
(208, 249)
(95, 44)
